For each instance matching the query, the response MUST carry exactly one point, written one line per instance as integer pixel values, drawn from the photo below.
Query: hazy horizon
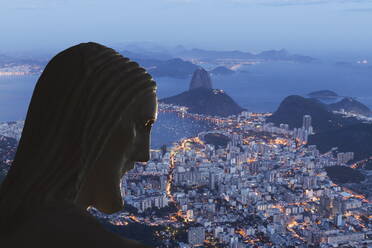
(313, 27)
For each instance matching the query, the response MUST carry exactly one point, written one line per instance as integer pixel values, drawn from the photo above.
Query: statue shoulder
(66, 227)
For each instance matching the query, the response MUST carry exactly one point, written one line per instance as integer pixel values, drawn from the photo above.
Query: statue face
(144, 115)
(128, 143)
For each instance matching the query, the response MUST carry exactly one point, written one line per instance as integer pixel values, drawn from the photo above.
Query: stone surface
(200, 79)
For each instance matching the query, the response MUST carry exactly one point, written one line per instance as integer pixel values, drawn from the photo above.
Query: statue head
(88, 122)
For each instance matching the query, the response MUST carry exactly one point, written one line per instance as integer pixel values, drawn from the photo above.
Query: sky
(308, 26)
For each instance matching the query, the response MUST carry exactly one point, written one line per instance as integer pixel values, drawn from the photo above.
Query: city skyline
(262, 113)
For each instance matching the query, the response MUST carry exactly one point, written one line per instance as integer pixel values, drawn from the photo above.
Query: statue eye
(149, 124)
(145, 125)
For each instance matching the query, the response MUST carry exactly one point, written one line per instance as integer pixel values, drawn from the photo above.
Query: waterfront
(263, 188)
(260, 88)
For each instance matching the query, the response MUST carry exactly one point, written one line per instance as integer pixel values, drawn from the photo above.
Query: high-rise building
(234, 242)
(343, 158)
(163, 183)
(338, 220)
(190, 215)
(306, 123)
(212, 181)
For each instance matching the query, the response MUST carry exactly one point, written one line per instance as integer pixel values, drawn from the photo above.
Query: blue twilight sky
(310, 26)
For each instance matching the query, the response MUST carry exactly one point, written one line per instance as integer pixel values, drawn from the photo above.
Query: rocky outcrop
(200, 79)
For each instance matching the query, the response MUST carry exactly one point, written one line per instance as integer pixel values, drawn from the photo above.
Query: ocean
(260, 88)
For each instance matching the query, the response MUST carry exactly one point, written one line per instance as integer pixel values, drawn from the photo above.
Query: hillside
(350, 105)
(354, 138)
(342, 174)
(292, 109)
(216, 139)
(206, 101)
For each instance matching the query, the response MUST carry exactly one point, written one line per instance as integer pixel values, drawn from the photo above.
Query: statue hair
(80, 97)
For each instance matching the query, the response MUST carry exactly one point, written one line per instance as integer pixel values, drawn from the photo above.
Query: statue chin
(112, 205)
(112, 210)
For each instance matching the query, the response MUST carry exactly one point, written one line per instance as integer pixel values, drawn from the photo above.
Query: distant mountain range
(176, 62)
(174, 67)
(203, 99)
(163, 65)
(271, 55)
(171, 67)
(158, 51)
(139, 54)
(154, 51)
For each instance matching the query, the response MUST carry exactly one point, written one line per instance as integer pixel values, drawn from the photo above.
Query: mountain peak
(200, 79)
(213, 102)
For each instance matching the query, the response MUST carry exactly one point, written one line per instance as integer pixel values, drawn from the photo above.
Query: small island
(222, 70)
